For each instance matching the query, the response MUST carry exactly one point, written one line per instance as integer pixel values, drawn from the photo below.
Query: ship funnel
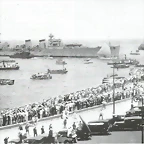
(42, 43)
(28, 43)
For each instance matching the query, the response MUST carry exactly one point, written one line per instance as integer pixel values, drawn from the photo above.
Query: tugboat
(6, 82)
(120, 66)
(59, 71)
(135, 53)
(41, 76)
(124, 61)
(7, 66)
(22, 55)
(61, 62)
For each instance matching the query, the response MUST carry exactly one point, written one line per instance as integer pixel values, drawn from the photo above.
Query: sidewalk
(57, 123)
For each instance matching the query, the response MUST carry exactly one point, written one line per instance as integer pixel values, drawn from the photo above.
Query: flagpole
(113, 91)
(142, 121)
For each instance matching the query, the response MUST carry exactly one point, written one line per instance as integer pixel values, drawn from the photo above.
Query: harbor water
(80, 76)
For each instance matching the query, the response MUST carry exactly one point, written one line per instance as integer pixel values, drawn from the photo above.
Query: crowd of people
(74, 101)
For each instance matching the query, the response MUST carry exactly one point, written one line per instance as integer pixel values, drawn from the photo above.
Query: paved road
(89, 115)
(115, 137)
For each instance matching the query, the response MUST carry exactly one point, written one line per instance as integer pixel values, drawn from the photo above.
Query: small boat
(139, 65)
(60, 71)
(120, 66)
(6, 82)
(60, 62)
(87, 59)
(135, 53)
(88, 62)
(124, 61)
(9, 66)
(41, 76)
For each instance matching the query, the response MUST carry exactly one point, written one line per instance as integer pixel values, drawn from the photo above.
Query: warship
(56, 48)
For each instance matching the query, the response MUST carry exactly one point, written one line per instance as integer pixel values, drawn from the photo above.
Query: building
(42, 43)
(28, 43)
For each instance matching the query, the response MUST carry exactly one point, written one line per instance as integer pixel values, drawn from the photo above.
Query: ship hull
(28, 57)
(41, 78)
(75, 52)
(58, 72)
(122, 67)
(10, 68)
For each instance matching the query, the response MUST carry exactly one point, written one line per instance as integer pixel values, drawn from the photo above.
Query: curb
(59, 115)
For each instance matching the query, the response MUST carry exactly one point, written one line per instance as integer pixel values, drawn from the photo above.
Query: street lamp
(113, 90)
(140, 98)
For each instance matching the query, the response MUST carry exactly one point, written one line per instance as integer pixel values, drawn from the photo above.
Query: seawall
(58, 116)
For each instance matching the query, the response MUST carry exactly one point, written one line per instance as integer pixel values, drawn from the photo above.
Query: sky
(71, 19)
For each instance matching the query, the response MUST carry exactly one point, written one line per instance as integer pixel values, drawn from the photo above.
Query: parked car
(99, 127)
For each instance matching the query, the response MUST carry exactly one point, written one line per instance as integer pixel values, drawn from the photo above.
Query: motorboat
(6, 82)
(41, 76)
(9, 66)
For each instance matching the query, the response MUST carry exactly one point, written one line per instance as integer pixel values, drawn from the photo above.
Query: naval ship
(57, 49)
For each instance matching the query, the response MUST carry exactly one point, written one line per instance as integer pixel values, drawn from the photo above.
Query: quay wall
(59, 115)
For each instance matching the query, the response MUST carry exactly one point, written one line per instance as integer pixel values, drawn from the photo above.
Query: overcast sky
(71, 19)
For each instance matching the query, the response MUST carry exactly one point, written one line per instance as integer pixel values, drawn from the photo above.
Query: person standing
(101, 115)
(6, 140)
(27, 128)
(35, 131)
(42, 130)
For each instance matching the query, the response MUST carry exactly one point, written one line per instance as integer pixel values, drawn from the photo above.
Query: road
(57, 123)
(115, 137)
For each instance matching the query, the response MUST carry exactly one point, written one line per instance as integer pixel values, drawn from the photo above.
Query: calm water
(79, 76)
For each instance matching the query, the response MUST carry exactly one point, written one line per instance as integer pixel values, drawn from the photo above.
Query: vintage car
(14, 141)
(99, 127)
(44, 139)
(129, 123)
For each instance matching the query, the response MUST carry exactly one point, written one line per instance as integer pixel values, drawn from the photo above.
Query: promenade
(88, 114)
